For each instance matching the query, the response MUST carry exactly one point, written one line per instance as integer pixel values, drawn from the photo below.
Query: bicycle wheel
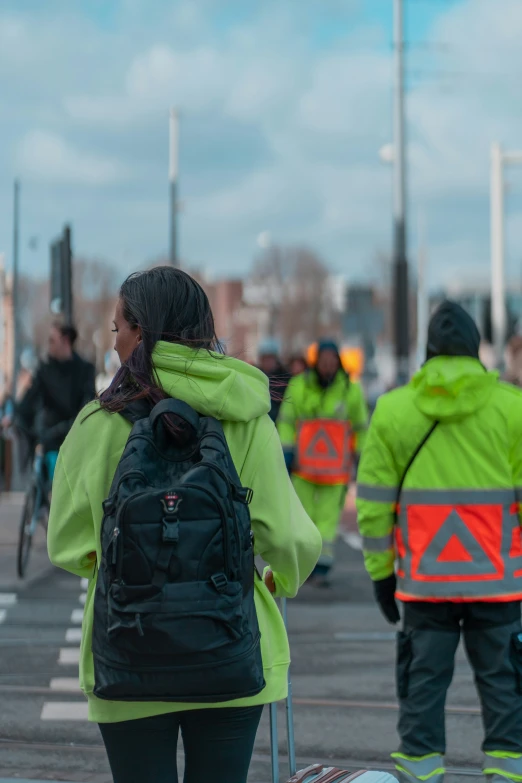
(25, 538)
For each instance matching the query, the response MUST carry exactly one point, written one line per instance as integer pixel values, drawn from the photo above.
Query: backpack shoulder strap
(411, 461)
(139, 409)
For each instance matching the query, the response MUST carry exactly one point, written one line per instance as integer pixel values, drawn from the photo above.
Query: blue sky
(284, 106)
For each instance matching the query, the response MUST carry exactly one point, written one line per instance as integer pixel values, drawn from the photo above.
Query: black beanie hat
(452, 332)
(328, 345)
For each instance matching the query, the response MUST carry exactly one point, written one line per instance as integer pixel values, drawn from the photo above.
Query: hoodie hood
(214, 385)
(451, 387)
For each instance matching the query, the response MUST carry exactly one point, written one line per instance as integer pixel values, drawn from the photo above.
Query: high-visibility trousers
(324, 505)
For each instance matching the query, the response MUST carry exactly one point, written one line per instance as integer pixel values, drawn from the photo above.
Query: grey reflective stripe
(380, 544)
(508, 588)
(425, 768)
(458, 497)
(509, 766)
(376, 493)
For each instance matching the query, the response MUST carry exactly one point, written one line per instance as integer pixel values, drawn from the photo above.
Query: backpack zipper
(117, 537)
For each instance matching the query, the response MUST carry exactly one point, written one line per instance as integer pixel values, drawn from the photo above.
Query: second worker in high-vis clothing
(321, 422)
(439, 492)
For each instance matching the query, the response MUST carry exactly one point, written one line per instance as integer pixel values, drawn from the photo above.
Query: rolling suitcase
(316, 773)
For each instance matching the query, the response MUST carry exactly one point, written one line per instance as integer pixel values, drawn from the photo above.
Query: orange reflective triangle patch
(455, 552)
(321, 446)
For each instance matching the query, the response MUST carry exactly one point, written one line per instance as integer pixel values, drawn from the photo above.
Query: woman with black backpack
(164, 491)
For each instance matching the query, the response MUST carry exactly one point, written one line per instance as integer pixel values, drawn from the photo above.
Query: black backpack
(174, 614)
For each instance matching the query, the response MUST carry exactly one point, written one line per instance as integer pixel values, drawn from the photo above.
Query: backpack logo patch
(171, 502)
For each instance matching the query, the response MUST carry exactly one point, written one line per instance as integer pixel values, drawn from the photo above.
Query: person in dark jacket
(278, 376)
(62, 385)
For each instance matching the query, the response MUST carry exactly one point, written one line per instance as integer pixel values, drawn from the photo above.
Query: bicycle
(36, 506)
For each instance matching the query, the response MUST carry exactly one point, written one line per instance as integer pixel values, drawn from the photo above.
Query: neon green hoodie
(237, 394)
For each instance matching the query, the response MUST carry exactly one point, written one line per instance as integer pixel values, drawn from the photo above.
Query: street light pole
(15, 291)
(173, 184)
(422, 296)
(498, 305)
(499, 159)
(400, 263)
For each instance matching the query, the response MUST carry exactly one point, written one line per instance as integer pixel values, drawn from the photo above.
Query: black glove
(385, 595)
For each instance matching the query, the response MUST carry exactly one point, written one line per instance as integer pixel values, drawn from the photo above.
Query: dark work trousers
(218, 746)
(425, 661)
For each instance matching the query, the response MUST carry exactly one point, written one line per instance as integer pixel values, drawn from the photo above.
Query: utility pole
(498, 284)
(173, 184)
(499, 159)
(400, 263)
(16, 284)
(422, 297)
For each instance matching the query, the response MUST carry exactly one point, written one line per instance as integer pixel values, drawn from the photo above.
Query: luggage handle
(178, 408)
(290, 737)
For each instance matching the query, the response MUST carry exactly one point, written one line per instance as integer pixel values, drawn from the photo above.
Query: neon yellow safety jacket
(305, 400)
(456, 528)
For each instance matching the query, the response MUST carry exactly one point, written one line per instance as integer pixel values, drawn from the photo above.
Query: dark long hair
(167, 304)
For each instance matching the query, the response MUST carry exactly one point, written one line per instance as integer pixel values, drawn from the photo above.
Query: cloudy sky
(285, 105)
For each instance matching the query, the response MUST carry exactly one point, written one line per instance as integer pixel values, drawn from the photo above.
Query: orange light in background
(352, 359)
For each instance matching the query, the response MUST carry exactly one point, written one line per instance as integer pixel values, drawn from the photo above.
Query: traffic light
(61, 276)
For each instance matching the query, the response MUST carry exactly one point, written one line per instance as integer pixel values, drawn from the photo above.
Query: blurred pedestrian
(321, 422)
(61, 386)
(439, 490)
(165, 340)
(514, 361)
(297, 365)
(6, 442)
(278, 377)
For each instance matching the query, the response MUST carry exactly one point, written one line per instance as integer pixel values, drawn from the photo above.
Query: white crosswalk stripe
(77, 616)
(65, 684)
(69, 656)
(8, 599)
(73, 635)
(64, 710)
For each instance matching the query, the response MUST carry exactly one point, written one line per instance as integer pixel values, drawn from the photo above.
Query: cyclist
(61, 386)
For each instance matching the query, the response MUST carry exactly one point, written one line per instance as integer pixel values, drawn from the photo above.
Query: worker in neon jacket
(438, 494)
(321, 422)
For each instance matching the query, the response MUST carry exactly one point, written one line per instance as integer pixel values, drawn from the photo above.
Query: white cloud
(48, 157)
(279, 131)
(349, 93)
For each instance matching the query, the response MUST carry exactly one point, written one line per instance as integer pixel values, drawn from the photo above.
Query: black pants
(425, 661)
(218, 746)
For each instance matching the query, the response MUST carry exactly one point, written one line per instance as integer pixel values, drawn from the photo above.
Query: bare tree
(295, 282)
